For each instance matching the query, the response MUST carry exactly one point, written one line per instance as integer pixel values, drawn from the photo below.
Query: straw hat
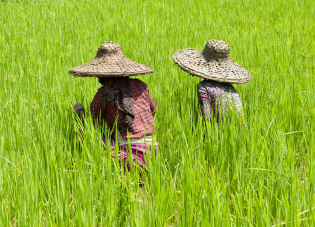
(110, 61)
(213, 63)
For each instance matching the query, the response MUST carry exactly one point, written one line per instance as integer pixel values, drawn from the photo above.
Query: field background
(257, 170)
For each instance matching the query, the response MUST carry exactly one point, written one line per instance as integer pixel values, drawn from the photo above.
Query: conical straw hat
(213, 63)
(110, 61)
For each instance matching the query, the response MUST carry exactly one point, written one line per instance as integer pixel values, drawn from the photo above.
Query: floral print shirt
(215, 95)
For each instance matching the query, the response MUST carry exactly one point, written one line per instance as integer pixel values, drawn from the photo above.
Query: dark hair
(103, 80)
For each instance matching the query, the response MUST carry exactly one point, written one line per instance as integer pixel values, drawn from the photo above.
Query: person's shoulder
(210, 83)
(138, 83)
(101, 89)
(207, 82)
(202, 84)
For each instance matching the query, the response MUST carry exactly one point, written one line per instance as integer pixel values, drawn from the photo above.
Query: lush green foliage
(257, 170)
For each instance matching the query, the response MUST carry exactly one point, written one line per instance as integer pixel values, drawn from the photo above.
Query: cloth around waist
(147, 140)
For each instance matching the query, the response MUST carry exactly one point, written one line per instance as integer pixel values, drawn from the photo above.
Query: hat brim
(196, 63)
(107, 67)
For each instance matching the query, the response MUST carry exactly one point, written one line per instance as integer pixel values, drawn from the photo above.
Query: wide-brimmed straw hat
(213, 63)
(110, 62)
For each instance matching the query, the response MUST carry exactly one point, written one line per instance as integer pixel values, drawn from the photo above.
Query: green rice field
(257, 170)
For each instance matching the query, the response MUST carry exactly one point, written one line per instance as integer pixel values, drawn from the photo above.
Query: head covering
(117, 93)
(213, 63)
(113, 69)
(110, 62)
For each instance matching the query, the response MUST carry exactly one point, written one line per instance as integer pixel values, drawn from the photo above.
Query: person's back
(123, 103)
(216, 95)
(215, 66)
(143, 108)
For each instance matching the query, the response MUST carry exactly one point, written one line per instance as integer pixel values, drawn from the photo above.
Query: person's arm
(97, 106)
(237, 100)
(153, 106)
(204, 100)
(79, 109)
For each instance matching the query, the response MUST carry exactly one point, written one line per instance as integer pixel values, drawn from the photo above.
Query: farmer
(124, 104)
(219, 71)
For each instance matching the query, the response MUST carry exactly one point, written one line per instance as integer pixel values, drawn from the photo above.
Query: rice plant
(257, 170)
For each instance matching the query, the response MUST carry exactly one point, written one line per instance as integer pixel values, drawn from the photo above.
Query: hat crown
(217, 49)
(110, 62)
(109, 49)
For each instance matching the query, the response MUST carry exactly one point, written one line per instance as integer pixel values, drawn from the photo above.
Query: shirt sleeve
(204, 100)
(97, 106)
(153, 106)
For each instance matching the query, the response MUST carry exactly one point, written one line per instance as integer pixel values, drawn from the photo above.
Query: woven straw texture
(213, 63)
(110, 61)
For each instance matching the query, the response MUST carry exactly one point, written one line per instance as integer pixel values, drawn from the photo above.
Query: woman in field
(219, 71)
(124, 104)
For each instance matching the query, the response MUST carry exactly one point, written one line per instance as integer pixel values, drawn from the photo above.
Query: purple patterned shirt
(211, 95)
